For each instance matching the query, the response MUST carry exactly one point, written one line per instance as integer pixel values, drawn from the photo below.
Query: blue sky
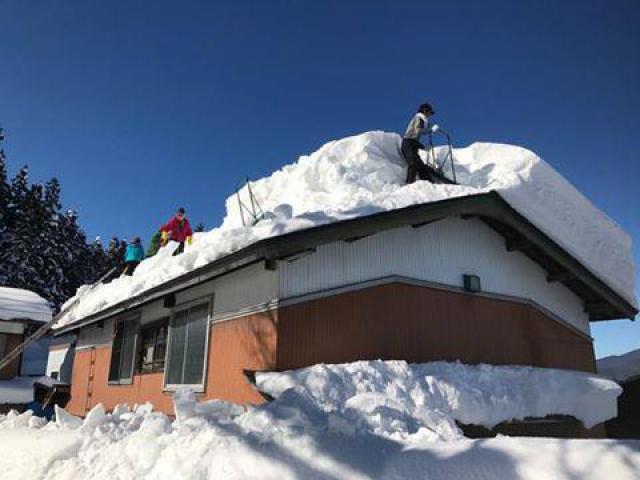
(140, 107)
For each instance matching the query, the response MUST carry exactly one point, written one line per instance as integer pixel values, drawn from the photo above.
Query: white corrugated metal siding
(440, 252)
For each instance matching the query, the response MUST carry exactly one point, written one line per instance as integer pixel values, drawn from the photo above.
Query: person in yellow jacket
(178, 230)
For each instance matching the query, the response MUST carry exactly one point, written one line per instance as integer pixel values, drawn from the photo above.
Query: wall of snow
(364, 174)
(393, 397)
(289, 439)
(439, 252)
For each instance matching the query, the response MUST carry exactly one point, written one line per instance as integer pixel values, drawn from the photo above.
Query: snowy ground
(367, 420)
(364, 174)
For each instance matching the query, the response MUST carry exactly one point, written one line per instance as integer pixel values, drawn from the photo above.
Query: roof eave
(488, 205)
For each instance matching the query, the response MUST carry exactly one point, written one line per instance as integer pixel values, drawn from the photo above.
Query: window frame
(131, 317)
(154, 325)
(197, 388)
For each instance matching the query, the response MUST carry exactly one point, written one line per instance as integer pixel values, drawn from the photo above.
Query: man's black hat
(426, 109)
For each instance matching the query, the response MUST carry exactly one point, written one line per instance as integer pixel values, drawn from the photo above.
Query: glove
(164, 236)
(189, 240)
(435, 128)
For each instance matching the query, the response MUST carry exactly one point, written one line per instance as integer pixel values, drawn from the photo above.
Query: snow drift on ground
(16, 303)
(366, 420)
(409, 397)
(620, 367)
(364, 174)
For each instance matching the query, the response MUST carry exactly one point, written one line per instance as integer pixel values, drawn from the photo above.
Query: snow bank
(16, 303)
(620, 367)
(366, 420)
(399, 397)
(364, 174)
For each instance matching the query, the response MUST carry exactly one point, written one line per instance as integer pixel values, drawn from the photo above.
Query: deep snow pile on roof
(365, 420)
(16, 303)
(620, 367)
(364, 174)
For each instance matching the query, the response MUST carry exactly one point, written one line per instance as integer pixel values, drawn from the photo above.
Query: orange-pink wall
(246, 343)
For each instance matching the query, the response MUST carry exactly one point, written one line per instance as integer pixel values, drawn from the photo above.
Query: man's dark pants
(410, 149)
(179, 250)
(130, 267)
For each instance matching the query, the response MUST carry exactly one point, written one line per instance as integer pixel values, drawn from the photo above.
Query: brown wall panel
(419, 324)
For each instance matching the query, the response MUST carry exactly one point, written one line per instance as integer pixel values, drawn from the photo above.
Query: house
(624, 369)
(21, 313)
(465, 278)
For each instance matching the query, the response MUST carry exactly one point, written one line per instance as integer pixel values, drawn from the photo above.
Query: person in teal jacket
(133, 255)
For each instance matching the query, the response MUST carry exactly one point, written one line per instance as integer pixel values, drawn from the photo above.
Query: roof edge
(489, 204)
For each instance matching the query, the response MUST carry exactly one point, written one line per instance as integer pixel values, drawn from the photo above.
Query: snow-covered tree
(42, 248)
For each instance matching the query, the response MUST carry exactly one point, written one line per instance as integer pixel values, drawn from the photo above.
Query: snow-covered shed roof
(620, 367)
(19, 304)
(358, 183)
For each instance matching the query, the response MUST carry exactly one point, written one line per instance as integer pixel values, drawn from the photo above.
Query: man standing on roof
(411, 144)
(178, 230)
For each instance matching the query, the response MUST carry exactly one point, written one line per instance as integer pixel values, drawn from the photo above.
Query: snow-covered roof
(620, 367)
(363, 175)
(16, 303)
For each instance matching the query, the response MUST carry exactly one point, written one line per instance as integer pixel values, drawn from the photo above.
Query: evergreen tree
(199, 227)
(5, 201)
(15, 254)
(41, 248)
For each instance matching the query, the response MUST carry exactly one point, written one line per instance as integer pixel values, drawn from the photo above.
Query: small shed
(21, 313)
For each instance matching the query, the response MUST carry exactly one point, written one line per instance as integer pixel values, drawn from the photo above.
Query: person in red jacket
(178, 230)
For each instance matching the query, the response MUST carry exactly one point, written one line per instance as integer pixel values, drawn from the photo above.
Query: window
(153, 342)
(187, 345)
(123, 350)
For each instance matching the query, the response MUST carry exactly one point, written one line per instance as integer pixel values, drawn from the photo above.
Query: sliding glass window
(187, 346)
(123, 349)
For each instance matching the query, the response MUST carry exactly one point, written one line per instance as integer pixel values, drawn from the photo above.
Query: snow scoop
(44, 329)
(253, 212)
(448, 158)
